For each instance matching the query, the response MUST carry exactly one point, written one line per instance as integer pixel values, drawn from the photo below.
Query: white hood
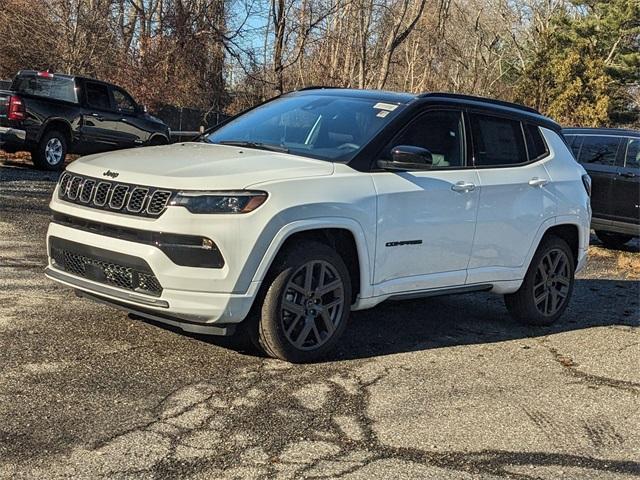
(198, 166)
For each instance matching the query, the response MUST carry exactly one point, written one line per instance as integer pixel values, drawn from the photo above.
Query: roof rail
(492, 101)
(315, 87)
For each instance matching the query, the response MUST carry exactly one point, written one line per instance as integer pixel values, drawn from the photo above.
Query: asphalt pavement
(439, 388)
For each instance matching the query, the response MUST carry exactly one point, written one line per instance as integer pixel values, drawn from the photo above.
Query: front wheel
(547, 287)
(306, 304)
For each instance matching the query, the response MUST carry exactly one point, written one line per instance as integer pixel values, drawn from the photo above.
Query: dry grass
(622, 263)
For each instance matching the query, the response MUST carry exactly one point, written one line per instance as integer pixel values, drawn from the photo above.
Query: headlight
(220, 202)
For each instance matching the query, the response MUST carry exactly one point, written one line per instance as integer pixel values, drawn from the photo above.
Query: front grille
(114, 196)
(102, 266)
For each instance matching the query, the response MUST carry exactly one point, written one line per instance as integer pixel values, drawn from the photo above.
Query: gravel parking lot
(440, 388)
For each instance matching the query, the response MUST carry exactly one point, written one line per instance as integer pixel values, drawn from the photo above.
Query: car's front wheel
(547, 287)
(306, 304)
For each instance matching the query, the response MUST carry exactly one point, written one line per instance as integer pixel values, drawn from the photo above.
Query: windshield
(333, 128)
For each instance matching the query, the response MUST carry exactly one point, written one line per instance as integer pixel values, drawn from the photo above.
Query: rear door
(626, 183)
(597, 154)
(99, 119)
(514, 200)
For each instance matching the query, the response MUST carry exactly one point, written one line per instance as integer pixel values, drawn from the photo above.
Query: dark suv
(51, 114)
(612, 158)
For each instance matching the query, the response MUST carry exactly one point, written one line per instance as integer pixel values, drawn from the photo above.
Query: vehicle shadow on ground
(437, 322)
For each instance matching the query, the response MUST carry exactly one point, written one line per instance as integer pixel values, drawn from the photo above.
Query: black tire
(613, 240)
(51, 151)
(269, 321)
(522, 304)
(156, 141)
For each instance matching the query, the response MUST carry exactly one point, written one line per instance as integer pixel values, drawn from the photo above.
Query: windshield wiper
(258, 145)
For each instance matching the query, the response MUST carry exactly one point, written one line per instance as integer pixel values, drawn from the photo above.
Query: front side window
(326, 127)
(98, 96)
(632, 158)
(598, 150)
(123, 101)
(440, 132)
(498, 141)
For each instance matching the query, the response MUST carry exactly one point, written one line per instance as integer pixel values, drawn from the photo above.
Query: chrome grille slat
(139, 200)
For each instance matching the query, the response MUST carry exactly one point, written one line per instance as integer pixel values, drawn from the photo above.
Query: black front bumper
(12, 139)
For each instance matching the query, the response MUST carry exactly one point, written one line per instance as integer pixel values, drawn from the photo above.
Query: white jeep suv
(323, 201)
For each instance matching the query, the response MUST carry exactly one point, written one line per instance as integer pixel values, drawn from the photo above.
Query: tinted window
(123, 101)
(599, 150)
(575, 142)
(536, 148)
(632, 158)
(58, 88)
(498, 141)
(98, 96)
(326, 127)
(439, 132)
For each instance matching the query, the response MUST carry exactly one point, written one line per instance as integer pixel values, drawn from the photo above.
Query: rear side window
(98, 96)
(598, 150)
(56, 88)
(498, 141)
(536, 148)
(632, 158)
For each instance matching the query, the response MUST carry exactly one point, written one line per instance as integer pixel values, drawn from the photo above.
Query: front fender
(362, 245)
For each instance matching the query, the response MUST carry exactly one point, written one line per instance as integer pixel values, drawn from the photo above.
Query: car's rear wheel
(612, 239)
(51, 151)
(547, 287)
(306, 304)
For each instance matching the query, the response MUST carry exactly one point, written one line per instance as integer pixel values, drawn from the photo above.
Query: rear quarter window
(536, 147)
(56, 88)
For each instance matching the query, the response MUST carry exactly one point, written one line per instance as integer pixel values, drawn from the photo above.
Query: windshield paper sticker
(390, 107)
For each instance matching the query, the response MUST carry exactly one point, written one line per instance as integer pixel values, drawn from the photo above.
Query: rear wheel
(612, 239)
(306, 304)
(547, 287)
(51, 151)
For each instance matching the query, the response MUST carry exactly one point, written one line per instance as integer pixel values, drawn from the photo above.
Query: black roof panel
(611, 132)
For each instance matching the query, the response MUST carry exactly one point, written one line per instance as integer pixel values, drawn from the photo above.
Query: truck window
(51, 86)
(98, 96)
(123, 101)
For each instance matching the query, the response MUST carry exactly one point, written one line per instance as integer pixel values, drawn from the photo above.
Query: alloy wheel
(552, 282)
(53, 151)
(312, 305)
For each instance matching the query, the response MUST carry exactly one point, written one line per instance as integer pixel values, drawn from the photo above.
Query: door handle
(538, 182)
(98, 116)
(463, 187)
(627, 174)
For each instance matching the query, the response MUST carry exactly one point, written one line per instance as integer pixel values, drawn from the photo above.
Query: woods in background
(577, 61)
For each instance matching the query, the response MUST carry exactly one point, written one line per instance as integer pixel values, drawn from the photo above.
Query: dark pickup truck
(50, 115)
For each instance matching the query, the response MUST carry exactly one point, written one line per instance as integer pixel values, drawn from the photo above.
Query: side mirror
(408, 157)
(142, 108)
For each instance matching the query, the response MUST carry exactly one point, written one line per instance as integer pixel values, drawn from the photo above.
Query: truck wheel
(306, 304)
(51, 151)
(612, 240)
(545, 292)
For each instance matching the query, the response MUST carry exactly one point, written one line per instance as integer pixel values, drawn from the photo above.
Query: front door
(99, 120)
(426, 218)
(130, 126)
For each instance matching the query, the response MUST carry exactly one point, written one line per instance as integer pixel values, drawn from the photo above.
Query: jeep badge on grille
(111, 174)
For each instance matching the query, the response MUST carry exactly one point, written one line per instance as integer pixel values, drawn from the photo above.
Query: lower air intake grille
(102, 266)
